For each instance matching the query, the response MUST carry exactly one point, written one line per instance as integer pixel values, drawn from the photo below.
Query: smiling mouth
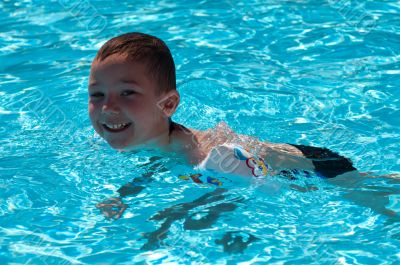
(115, 128)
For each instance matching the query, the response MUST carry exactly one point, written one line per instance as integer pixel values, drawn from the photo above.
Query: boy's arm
(114, 207)
(129, 189)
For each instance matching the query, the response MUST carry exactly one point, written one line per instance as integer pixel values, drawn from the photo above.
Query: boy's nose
(110, 107)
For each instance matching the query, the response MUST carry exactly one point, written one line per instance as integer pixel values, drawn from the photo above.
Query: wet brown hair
(152, 51)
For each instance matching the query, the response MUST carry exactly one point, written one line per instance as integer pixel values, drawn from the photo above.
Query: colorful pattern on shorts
(201, 179)
(256, 164)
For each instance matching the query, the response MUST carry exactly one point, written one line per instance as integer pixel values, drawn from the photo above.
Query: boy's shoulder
(205, 140)
(197, 144)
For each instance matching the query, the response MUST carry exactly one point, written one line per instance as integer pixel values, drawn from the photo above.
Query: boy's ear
(169, 102)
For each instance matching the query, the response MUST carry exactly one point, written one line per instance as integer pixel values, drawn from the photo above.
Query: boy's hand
(112, 208)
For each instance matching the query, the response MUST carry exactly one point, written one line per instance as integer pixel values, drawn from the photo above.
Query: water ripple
(304, 71)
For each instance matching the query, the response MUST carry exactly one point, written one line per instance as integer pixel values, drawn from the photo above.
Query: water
(322, 73)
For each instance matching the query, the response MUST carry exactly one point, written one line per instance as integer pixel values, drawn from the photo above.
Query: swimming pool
(323, 73)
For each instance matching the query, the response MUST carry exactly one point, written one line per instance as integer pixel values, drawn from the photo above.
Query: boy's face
(123, 104)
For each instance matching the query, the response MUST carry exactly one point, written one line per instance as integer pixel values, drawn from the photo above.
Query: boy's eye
(96, 95)
(128, 93)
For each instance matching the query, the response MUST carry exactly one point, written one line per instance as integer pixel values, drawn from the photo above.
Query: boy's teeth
(116, 126)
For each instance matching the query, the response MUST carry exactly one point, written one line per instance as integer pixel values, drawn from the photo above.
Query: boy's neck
(160, 141)
(179, 141)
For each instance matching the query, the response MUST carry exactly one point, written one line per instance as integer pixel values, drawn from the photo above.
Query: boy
(132, 97)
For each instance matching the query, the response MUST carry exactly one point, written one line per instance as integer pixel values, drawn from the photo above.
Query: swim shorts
(327, 163)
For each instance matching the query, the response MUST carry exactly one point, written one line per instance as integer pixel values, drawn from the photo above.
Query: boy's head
(132, 90)
(147, 49)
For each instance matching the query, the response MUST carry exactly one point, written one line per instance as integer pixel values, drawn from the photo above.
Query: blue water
(323, 73)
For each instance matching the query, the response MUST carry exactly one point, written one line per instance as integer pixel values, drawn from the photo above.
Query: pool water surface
(321, 73)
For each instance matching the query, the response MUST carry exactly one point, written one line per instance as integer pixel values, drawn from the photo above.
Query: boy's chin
(123, 147)
(120, 146)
